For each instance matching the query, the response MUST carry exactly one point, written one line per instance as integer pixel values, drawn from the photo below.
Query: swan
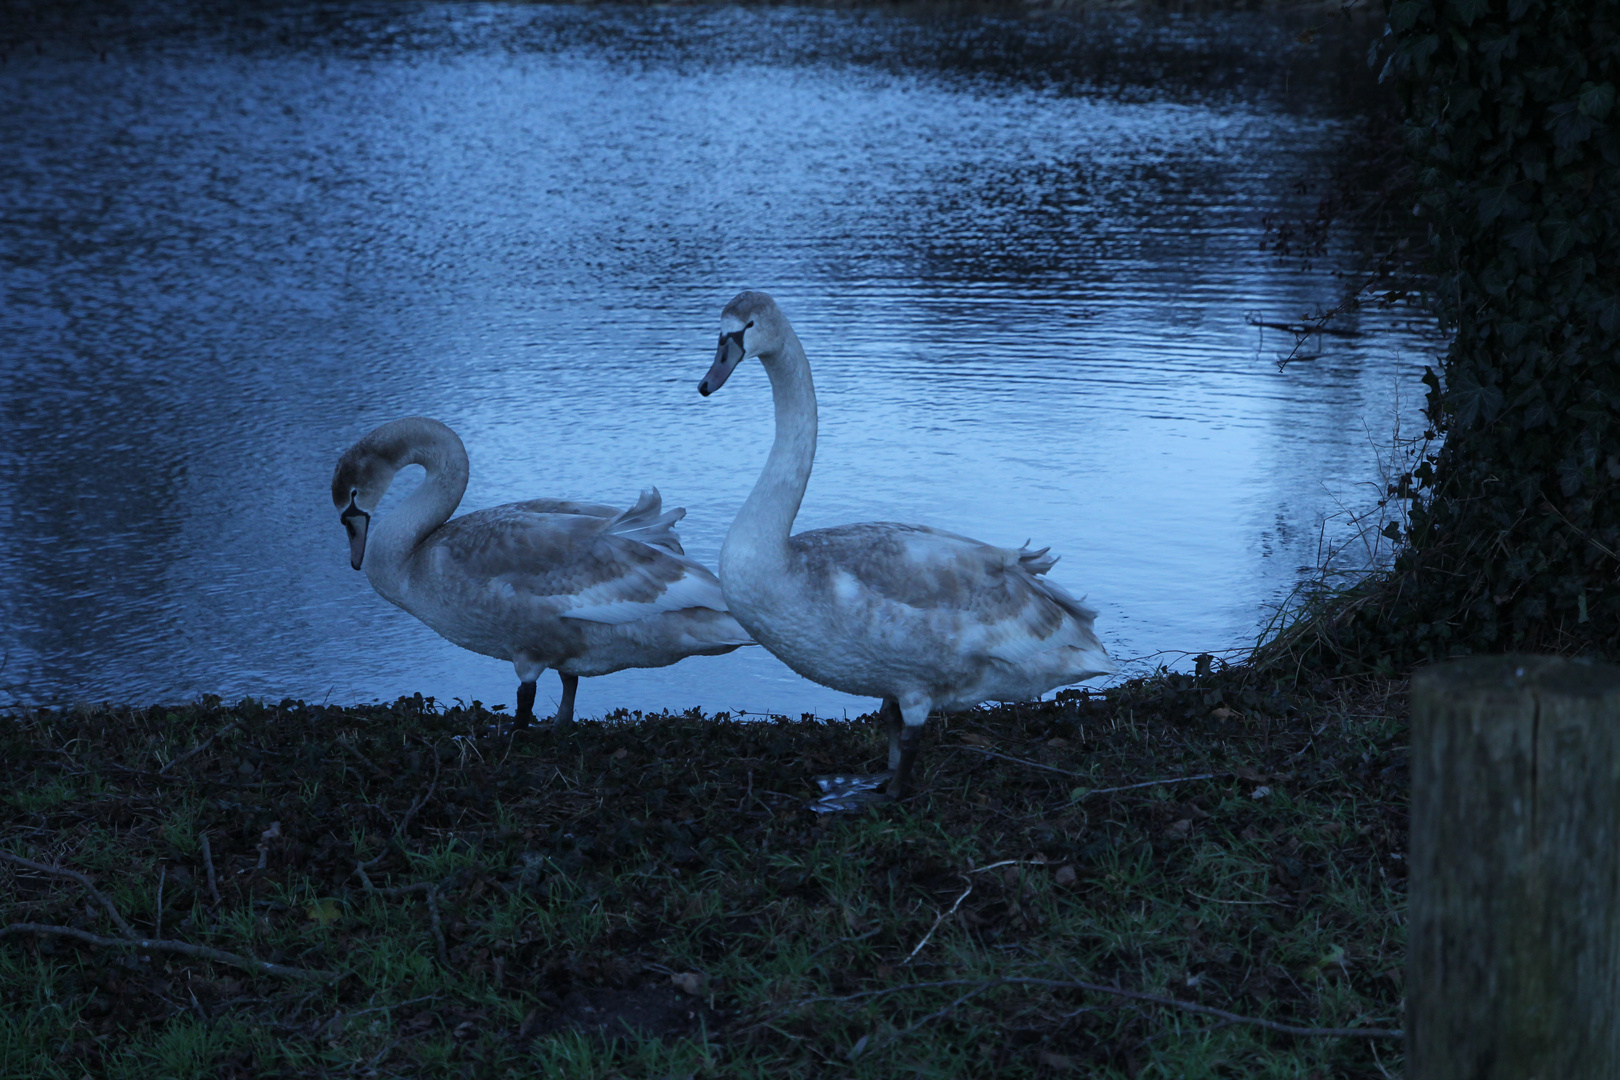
(581, 588)
(920, 618)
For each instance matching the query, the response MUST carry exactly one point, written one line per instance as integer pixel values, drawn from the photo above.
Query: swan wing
(646, 521)
(989, 600)
(574, 566)
(567, 506)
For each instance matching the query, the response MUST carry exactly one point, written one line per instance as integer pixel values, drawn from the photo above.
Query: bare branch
(182, 948)
(208, 861)
(127, 930)
(937, 921)
(404, 822)
(432, 892)
(981, 985)
(199, 748)
(1083, 776)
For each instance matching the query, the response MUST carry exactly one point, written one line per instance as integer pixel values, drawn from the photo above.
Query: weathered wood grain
(1514, 916)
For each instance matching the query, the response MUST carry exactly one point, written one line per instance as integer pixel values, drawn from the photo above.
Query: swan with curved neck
(580, 588)
(921, 618)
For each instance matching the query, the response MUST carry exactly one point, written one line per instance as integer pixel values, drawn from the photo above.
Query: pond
(1023, 253)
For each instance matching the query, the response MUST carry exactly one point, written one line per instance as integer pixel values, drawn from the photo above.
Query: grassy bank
(648, 896)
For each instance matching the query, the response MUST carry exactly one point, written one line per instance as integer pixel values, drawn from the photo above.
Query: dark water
(1020, 252)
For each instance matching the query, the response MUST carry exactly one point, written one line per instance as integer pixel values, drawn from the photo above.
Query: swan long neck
(397, 536)
(765, 521)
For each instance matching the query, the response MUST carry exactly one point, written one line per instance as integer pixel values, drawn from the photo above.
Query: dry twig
(208, 861)
(182, 948)
(982, 985)
(124, 927)
(199, 748)
(937, 921)
(404, 822)
(1083, 776)
(432, 892)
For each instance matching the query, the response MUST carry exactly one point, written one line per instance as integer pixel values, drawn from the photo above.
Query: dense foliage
(1515, 525)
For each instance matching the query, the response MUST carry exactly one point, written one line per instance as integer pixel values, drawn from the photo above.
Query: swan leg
(529, 669)
(890, 715)
(525, 709)
(914, 714)
(854, 791)
(565, 711)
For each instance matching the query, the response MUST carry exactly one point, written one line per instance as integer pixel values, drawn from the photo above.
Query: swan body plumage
(921, 618)
(580, 588)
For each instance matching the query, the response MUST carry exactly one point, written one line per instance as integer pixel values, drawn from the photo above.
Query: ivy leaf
(1404, 15)
(1472, 402)
(1596, 99)
(1569, 126)
(1569, 477)
(1608, 313)
(1527, 242)
(1493, 203)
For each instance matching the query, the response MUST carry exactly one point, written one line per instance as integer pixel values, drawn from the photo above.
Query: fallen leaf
(1260, 792)
(973, 738)
(1180, 829)
(690, 982)
(1222, 713)
(325, 912)
(1058, 743)
(620, 754)
(860, 1044)
(1249, 773)
(1065, 876)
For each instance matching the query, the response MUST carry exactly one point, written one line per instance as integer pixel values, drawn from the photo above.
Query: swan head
(364, 473)
(367, 468)
(358, 484)
(751, 325)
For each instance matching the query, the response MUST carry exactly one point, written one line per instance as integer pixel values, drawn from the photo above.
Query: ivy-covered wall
(1515, 540)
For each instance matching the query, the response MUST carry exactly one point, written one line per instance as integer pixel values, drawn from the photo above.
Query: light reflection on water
(1019, 252)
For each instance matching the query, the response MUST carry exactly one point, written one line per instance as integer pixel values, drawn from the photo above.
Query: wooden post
(1513, 961)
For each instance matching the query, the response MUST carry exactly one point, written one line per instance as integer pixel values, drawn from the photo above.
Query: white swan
(577, 587)
(921, 618)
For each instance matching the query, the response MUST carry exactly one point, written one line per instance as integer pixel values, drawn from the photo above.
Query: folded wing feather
(577, 563)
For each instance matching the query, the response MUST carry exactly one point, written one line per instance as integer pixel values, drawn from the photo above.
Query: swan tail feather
(647, 522)
(1036, 562)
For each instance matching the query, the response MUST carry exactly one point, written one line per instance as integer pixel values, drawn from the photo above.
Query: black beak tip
(703, 388)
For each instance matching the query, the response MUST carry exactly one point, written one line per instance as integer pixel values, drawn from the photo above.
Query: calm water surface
(1020, 252)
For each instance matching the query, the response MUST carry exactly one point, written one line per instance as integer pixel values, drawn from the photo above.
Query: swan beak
(726, 359)
(356, 521)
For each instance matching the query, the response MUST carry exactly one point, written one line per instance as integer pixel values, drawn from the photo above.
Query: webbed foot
(849, 792)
